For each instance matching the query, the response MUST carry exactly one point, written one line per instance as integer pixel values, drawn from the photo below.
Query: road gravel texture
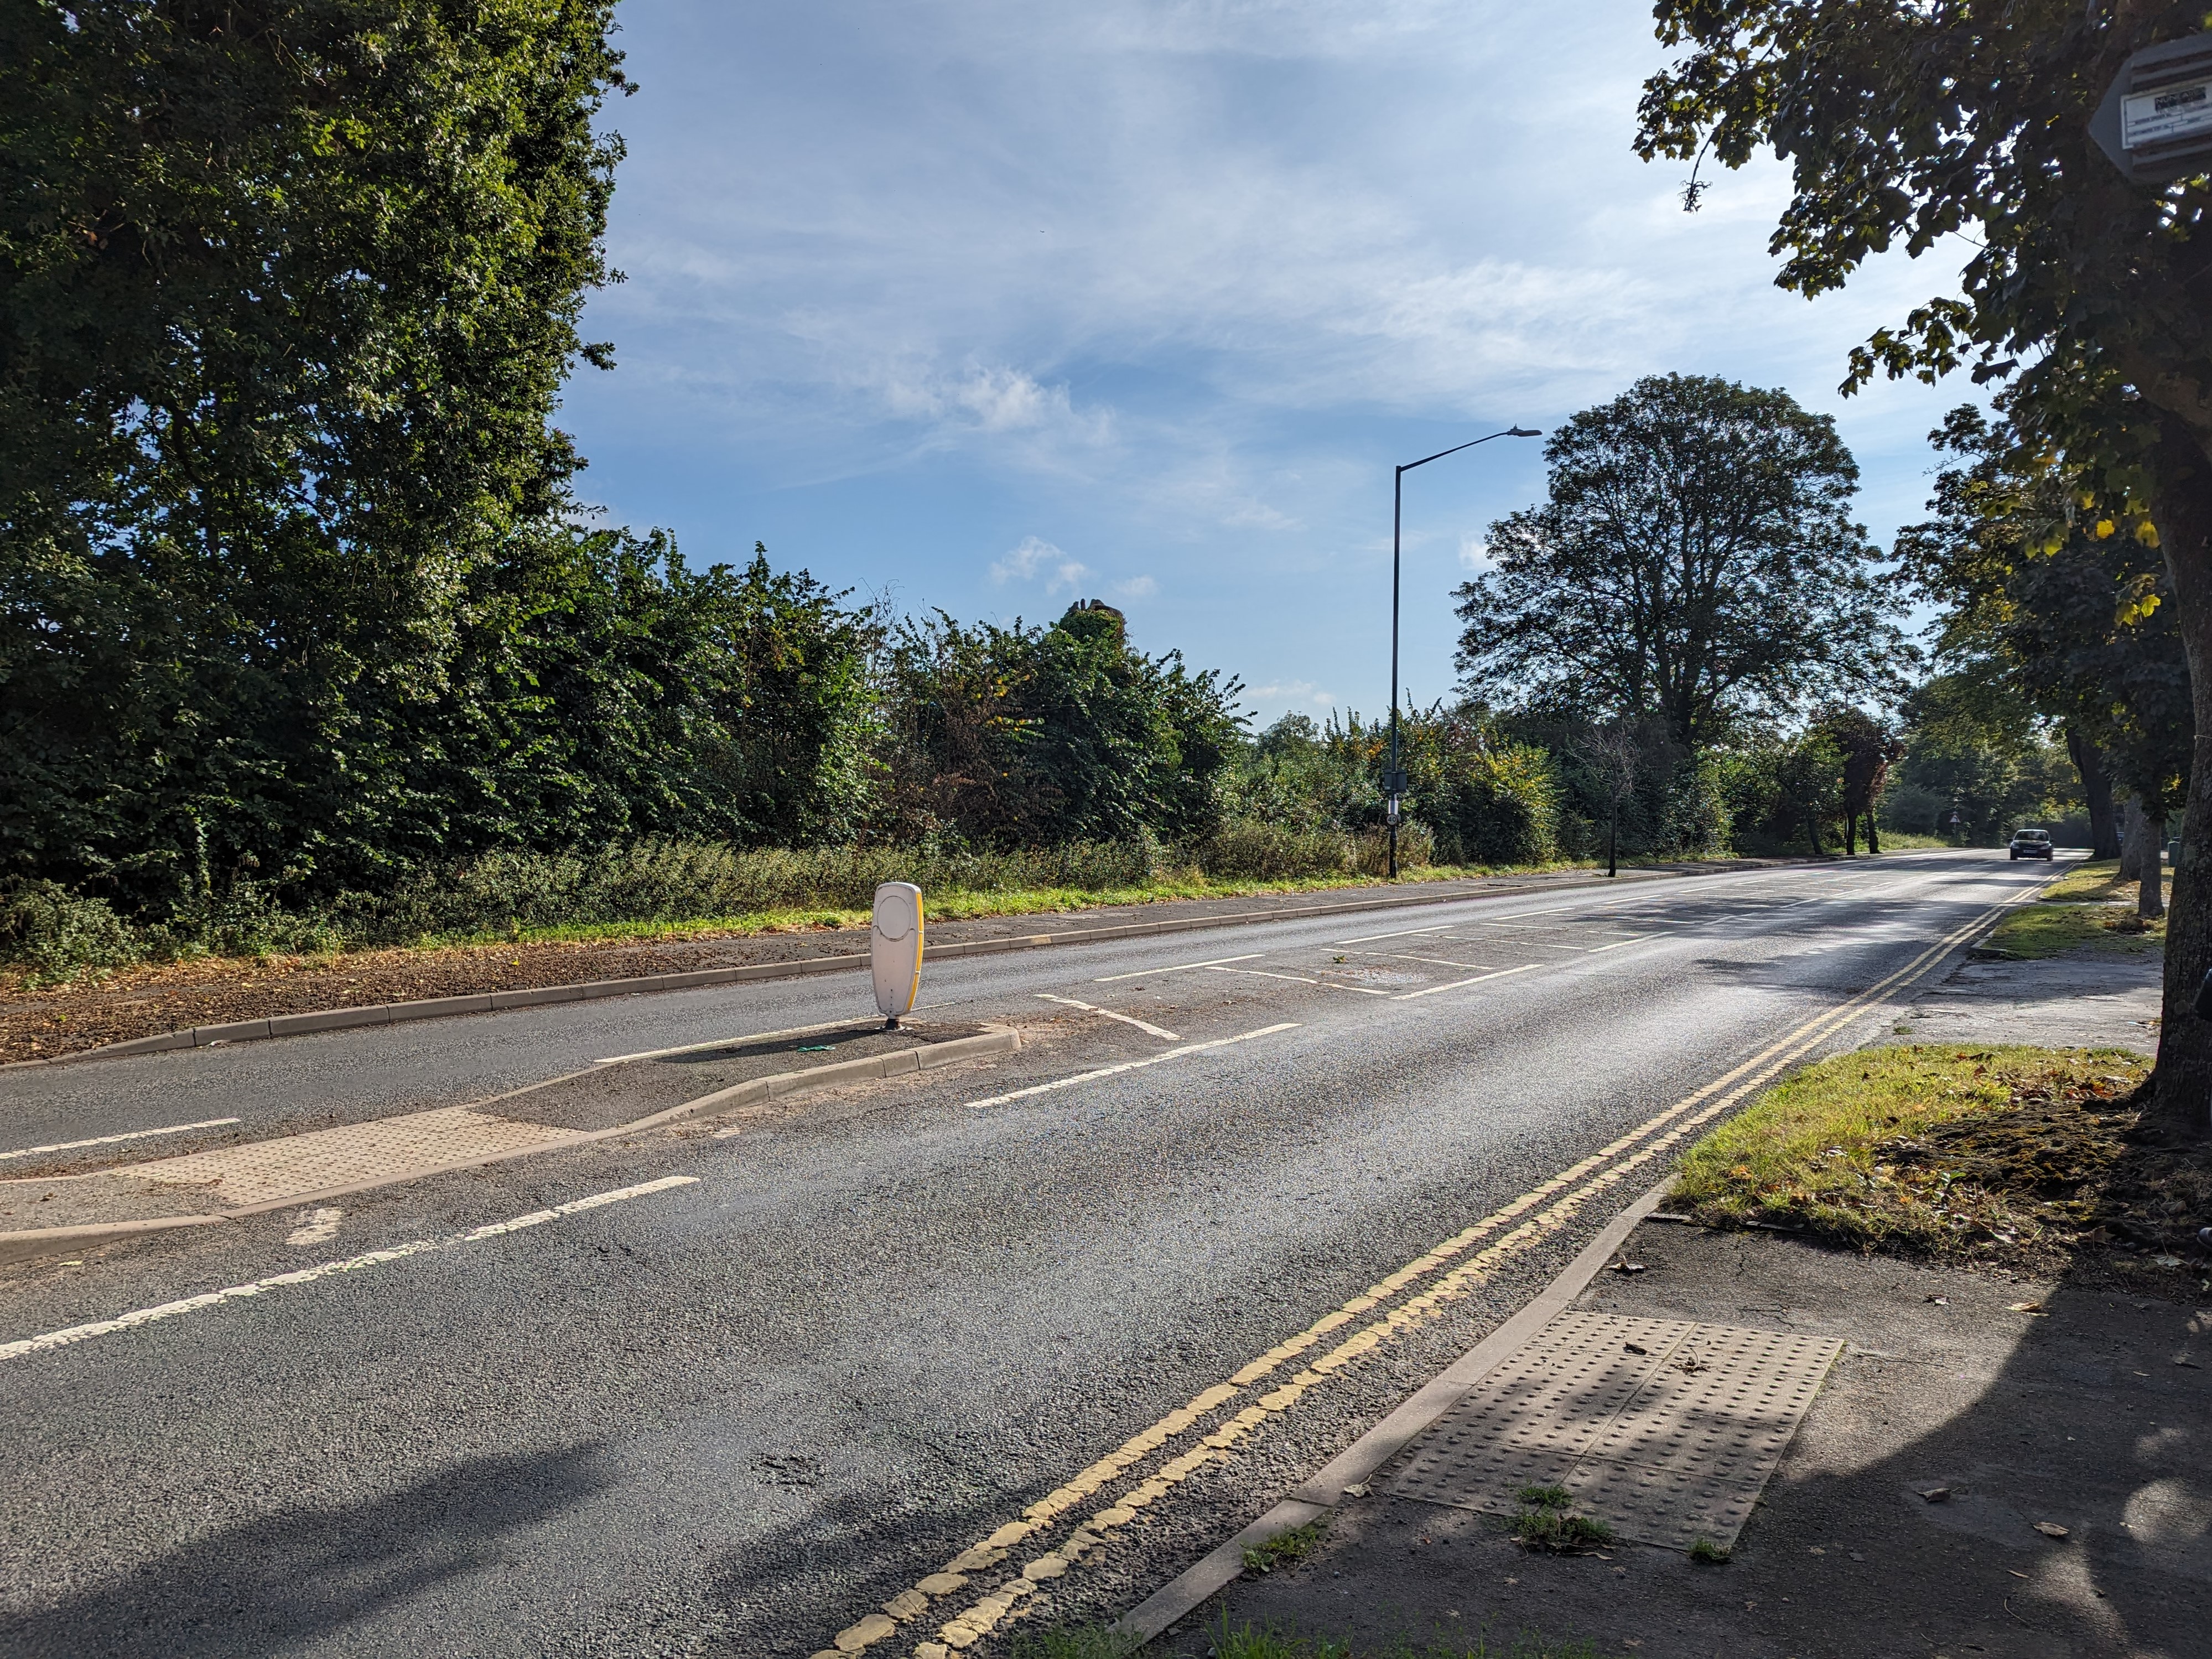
(871, 1327)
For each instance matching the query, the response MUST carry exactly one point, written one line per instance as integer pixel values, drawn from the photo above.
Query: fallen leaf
(2036, 1308)
(1634, 1347)
(1623, 1265)
(1938, 1494)
(2050, 1529)
(2015, 1572)
(2184, 1359)
(1359, 1491)
(1941, 1301)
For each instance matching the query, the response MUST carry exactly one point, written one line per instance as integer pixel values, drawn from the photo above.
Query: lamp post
(1393, 782)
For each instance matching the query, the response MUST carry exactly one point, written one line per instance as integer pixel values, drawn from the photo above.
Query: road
(805, 1360)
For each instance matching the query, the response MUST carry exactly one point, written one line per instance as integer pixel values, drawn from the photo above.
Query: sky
(988, 306)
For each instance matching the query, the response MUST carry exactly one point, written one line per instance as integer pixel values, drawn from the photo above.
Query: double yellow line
(1518, 1226)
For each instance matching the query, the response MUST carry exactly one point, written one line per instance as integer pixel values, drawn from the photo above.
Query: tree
(1022, 736)
(1695, 560)
(2041, 592)
(1975, 751)
(287, 290)
(1910, 124)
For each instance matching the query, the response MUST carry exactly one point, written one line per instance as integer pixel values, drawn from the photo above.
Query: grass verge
(2089, 905)
(2013, 1153)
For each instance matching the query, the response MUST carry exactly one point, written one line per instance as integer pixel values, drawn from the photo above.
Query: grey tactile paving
(1665, 1428)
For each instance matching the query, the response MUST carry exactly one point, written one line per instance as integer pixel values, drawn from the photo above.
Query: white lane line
(1403, 932)
(74, 1333)
(1634, 939)
(1180, 967)
(1299, 979)
(1408, 996)
(1131, 1065)
(110, 1140)
(1439, 962)
(1108, 1013)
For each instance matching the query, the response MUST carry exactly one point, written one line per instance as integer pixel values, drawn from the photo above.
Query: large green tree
(2040, 589)
(1696, 562)
(286, 290)
(1909, 125)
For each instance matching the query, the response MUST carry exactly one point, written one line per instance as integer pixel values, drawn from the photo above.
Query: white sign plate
(2165, 113)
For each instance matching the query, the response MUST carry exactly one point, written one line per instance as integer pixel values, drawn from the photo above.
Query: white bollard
(895, 947)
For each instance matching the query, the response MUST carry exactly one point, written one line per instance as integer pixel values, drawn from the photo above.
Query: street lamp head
(1522, 432)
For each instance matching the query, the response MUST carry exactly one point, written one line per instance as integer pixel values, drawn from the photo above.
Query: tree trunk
(2097, 791)
(2150, 898)
(1851, 835)
(1874, 841)
(1813, 832)
(2181, 507)
(2131, 839)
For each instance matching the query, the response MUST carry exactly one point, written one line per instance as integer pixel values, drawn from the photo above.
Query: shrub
(55, 934)
(1248, 849)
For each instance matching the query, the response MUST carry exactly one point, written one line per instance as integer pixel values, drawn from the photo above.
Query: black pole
(1397, 512)
(1612, 839)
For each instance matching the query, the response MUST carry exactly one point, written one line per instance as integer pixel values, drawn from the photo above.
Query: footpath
(1799, 1451)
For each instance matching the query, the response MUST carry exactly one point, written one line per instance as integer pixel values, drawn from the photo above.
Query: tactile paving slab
(264, 1169)
(1665, 1428)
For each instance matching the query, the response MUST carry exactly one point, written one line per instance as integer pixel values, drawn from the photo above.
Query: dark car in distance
(2031, 844)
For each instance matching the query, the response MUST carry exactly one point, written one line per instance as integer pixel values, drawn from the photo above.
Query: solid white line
(1403, 932)
(1132, 1064)
(1181, 967)
(1261, 973)
(73, 1333)
(1108, 1013)
(109, 1140)
(1409, 995)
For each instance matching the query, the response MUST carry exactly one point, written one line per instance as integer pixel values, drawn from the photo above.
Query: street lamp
(1393, 782)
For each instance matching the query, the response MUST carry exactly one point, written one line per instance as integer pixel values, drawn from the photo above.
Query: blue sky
(988, 306)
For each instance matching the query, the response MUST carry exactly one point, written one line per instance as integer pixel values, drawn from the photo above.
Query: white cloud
(1297, 694)
(1034, 556)
(1474, 553)
(1137, 587)
(1024, 560)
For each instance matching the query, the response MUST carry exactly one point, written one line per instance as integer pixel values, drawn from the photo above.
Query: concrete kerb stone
(1211, 1574)
(31, 1244)
(394, 1013)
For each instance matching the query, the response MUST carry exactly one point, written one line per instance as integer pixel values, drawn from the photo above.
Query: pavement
(907, 1364)
(2078, 1404)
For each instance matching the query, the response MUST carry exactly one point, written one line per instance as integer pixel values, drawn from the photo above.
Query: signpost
(2155, 121)
(895, 949)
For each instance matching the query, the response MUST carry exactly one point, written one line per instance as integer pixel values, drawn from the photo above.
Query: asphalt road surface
(869, 1348)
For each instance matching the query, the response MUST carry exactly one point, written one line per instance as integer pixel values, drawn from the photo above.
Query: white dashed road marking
(76, 1334)
(1131, 1065)
(110, 1140)
(1181, 967)
(1108, 1013)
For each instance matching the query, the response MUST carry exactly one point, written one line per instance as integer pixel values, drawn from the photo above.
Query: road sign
(2155, 121)
(895, 947)
(1393, 783)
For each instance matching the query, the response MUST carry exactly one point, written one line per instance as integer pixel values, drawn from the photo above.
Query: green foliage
(2044, 594)
(1695, 562)
(55, 934)
(1026, 736)
(1974, 748)
(1285, 1548)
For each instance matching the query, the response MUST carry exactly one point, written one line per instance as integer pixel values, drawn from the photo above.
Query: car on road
(2031, 843)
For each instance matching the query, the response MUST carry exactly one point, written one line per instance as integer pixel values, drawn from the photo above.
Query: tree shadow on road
(276, 1582)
